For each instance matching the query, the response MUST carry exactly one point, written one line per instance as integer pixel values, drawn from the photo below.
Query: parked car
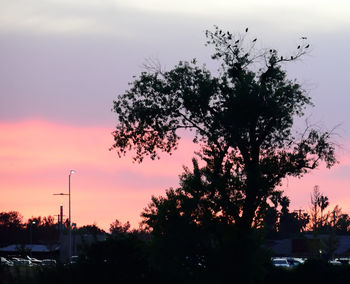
(21, 261)
(73, 259)
(48, 262)
(335, 262)
(294, 261)
(34, 261)
(280, 262)
(6, 262)
(344, 260)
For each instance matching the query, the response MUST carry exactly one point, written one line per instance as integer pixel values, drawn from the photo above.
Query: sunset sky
(63, 62)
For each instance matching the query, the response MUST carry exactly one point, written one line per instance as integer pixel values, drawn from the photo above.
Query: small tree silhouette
(323, 204)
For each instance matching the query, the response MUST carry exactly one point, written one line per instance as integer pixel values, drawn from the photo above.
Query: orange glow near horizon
(36, 157)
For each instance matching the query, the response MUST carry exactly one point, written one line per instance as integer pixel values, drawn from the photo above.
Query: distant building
(310, 245)
(36, 250)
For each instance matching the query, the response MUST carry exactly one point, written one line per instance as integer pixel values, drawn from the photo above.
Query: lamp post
(70, 220)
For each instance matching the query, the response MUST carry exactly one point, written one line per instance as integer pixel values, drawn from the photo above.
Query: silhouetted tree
(315, 197)
(42, 230)
(90, 229)
(36, 230)
(323, 204)
(323, 223)
(11, 228)
(335, 221)
(193, 241)
(290, 223)
(342, 224)
(242, 118)
(118, 228)
(11, 219)
(271, 217)
(183, 228)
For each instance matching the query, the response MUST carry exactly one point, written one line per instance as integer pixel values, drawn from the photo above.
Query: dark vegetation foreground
(128, 260)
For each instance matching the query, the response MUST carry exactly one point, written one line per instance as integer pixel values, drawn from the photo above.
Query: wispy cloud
(124, 18)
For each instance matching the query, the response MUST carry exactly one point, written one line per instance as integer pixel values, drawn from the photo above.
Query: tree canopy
(242, 117)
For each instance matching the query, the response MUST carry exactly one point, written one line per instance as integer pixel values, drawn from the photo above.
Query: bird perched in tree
(246, 30)
(307, 46)
(298, 46)
(255, 40)
(281, 57)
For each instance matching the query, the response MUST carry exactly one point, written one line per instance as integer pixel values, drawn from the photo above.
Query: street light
(70, 220)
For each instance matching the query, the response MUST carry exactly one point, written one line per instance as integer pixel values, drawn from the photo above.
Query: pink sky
(64, 62)
(36, 157)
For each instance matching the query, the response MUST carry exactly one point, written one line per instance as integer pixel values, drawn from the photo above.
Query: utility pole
(70, 218)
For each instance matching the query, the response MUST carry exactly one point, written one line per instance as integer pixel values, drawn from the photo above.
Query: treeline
(280, 222)
(14, 230)
(36, 230)
(134, 256)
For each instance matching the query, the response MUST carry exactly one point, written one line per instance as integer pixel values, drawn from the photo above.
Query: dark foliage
(313, 271)
(118, 228)
(242, 118)
(11, 227)
(37, 230)
(89, 229)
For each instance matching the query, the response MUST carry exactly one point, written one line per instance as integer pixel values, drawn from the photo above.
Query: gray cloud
(67, 60)
(115, 18)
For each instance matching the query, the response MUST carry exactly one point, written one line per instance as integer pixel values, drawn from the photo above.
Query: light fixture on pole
(60, 216)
